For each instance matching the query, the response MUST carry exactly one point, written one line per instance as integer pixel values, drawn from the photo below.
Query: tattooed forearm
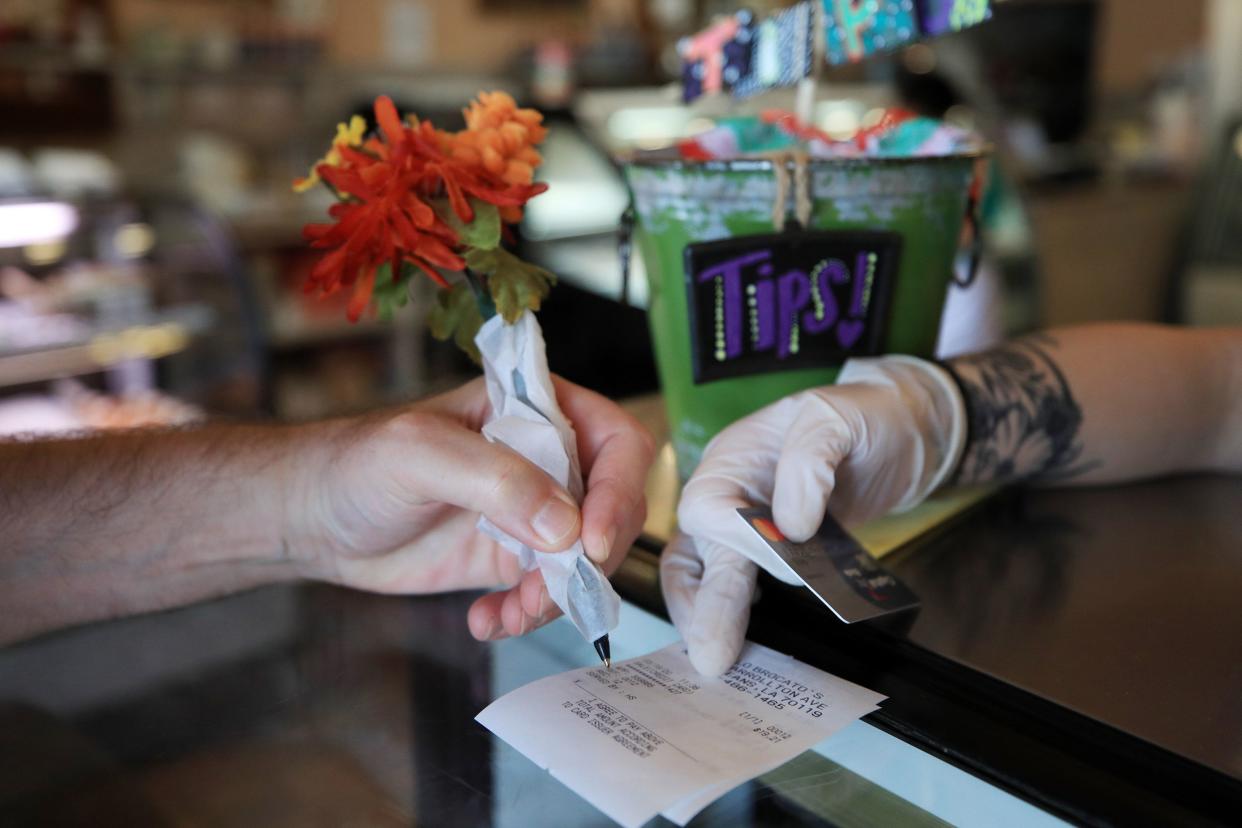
(1023, 420)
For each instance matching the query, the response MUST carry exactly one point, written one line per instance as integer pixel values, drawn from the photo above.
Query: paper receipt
(651, 735)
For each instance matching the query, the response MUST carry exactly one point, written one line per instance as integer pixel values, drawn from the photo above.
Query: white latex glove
(884, 437)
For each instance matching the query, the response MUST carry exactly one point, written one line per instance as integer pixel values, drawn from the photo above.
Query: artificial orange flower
(500, 138)
(385, 215)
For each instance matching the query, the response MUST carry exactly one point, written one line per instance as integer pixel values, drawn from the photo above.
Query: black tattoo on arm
(1022, 418)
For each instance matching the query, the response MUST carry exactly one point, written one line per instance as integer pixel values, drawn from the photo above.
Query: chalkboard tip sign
(787, 301)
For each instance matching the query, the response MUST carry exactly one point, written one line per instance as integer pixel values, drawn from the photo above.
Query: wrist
(249, 492)
(951, 420)
(310, 464)
(932, 397)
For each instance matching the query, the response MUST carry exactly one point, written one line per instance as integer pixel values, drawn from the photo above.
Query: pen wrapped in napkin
(526, 418)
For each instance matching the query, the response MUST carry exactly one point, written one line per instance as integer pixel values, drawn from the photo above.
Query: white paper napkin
(526, 418)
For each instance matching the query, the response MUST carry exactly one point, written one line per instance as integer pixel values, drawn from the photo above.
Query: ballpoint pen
(527, 419)
(593, 606)
(604, 651)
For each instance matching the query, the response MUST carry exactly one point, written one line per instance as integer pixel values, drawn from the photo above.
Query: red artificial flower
(385, 215)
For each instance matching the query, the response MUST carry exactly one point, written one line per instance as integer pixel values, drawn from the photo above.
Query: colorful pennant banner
(744, 56)
(783, 51)
(854, 29)
(937, 17)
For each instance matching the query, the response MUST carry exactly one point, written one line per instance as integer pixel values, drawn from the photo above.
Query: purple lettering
(860, 284)
(793, 292)
(765, 312)
(824, 315)
(840, 273)
(849, 331)
(731, 271)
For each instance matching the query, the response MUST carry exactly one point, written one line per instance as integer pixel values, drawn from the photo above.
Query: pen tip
(604, 650)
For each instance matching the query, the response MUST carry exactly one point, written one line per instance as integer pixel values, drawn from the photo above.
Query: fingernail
(527, 624)
(493, 627)
(556, 520)
(545, 604)
(610, 537)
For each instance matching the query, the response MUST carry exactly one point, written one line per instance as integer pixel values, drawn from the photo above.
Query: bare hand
(391, 504)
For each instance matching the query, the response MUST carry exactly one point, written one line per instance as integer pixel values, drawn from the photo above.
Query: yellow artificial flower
(346, 136)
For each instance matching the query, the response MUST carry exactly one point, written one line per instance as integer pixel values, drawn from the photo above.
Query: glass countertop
(860, 776)
(1103, 615)
(310, 704)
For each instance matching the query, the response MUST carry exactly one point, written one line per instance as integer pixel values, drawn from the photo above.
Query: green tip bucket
(916, 205)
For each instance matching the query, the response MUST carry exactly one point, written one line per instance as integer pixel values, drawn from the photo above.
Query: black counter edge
(1066, 763)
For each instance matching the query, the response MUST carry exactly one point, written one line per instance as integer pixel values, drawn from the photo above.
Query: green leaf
(389, 293)
(482, 233)
(456, 315)
(514, 285)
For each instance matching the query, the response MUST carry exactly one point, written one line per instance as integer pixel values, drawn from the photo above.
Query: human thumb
(459, 466)
(816, 444)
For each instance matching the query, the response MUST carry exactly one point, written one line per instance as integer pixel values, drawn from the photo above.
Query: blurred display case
(80, 299)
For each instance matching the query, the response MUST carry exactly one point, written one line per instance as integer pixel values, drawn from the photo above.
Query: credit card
(836, 568)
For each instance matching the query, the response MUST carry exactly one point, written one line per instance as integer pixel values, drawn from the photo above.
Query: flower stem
(487, 308)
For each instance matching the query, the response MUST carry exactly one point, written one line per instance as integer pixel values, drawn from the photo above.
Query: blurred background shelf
(290, 330)
(181, 124)
(102, 351)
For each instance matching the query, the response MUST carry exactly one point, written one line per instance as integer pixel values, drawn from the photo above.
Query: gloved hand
(884, 437)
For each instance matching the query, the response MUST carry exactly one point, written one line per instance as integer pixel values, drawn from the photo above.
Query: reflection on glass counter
(316, 704)
(859, 776)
